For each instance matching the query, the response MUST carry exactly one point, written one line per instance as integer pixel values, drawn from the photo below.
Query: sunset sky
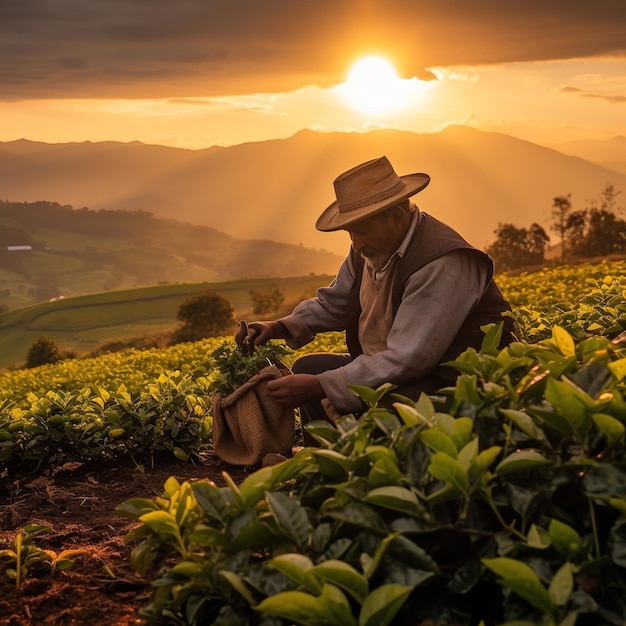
(197, 73)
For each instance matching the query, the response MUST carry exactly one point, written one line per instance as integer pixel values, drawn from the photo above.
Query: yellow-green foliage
(132, 369)
(134, 401)
(585, 299)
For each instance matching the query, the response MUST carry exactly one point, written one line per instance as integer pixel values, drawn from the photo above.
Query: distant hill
(276, 189)
(48, 250)
(610, 153)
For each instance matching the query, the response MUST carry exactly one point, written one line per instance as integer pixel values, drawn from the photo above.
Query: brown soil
(78, 505)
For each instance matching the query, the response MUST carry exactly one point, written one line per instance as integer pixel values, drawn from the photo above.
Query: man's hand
(253, 334)
(296, 389)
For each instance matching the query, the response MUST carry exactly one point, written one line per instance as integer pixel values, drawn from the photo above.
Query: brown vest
(431, 240)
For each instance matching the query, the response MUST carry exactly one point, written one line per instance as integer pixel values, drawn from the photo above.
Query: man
(411, 294)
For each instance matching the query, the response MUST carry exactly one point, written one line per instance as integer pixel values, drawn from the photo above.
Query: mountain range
(275, 190)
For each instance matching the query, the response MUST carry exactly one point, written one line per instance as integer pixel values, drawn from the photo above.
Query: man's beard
(375, 262)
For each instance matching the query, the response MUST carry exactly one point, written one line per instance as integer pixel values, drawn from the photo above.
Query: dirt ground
(78, 505)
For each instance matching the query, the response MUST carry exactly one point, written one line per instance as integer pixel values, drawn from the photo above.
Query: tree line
(596, 230)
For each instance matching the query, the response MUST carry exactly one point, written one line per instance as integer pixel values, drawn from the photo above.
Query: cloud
(202, 48)
(612, 98)
(585, 93)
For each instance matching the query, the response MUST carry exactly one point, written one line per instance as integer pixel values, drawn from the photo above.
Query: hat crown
(368, 183)
(368, 189)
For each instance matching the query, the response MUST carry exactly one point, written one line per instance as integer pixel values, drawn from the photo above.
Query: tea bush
(500, 500)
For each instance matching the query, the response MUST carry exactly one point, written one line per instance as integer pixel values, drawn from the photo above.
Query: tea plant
(502, 498)
(232, 367)
(82, 425)
(26, 559)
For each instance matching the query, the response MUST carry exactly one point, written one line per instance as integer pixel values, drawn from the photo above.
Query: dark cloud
(612, 98)
(196, 48)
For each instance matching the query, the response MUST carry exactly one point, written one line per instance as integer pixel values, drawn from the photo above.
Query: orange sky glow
(199, 74)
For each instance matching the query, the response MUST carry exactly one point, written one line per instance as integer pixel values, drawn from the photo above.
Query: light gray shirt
(435, 302)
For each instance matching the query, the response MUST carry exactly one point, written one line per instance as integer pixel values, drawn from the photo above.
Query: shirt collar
(409, 234)
(402, 248)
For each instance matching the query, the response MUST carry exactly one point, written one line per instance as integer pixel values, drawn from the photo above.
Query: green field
(81, 323)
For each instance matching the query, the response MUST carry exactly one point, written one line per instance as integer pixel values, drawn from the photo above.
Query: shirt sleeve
(328, 311)
(436, 301)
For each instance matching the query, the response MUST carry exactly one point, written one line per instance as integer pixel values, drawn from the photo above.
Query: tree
(518, 247)
(605, 234)
(561, 208)
(607, 200)
(206, 314)
(535, 242)
(43, 350)
(575, 229)
(266, 301)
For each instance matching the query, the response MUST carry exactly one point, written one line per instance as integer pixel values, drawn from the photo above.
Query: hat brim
(333, 219)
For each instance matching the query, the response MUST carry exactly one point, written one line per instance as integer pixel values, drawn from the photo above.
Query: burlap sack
(248, 423)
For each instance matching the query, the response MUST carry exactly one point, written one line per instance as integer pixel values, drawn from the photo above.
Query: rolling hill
(48, 250)
(276, 189)
(84, 322)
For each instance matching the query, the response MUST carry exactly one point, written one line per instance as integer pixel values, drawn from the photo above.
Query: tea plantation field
(500, 500)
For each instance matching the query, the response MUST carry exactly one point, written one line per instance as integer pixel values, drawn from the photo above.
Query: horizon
(550, 145)
(196, 76)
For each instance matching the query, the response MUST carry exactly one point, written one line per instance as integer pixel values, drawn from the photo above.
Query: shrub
(43, 350)
(266, 301)
(501, 499)
(206, 314)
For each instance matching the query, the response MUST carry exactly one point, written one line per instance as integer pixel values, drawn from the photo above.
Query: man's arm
(325, 312)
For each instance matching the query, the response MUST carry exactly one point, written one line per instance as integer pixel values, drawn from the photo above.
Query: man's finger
(241, 332)
(252, 333)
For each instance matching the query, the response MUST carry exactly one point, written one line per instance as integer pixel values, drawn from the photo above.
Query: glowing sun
(373, 86)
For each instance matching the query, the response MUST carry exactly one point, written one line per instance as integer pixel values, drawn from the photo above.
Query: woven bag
(249, 423)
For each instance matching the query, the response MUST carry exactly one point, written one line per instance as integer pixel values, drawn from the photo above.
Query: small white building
(16, 248)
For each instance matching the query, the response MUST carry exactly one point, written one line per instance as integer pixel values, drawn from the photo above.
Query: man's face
(377, 238)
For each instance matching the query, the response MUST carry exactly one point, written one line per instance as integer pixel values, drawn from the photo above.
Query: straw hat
(366, 190)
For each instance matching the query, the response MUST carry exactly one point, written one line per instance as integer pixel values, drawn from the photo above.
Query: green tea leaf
(410, 415)
(439, 441)
(343, 576)
(468, 453)
(332, 464)
(521, 460)
(525, 423)
(296, 566)
(566, 540)
(360, 515)
(610, 427)
(207, 536)
(381, 606)
(483, 462)
(563, 341)
(522, 580)
(538, 538)
(385, 472)
(395, 498)
(161, 522)
(444, 467)
(237, 583)
(291, 516)
(571, 404)
(371, 396)
(561, 585)
(618, 369)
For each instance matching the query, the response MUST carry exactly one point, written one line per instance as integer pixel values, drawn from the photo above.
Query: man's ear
(399, 216)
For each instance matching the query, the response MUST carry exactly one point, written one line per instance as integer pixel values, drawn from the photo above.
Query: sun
(373, 86)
